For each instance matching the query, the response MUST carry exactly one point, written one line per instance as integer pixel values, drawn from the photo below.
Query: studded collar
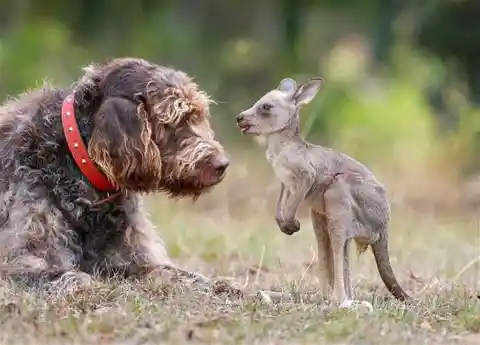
(78, 150)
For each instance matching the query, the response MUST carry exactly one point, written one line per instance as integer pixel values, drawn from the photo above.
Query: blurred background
(402, 78)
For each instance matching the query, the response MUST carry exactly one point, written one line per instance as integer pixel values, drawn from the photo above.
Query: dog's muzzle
(220, 164)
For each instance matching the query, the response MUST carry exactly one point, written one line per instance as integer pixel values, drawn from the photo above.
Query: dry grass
(231, 232)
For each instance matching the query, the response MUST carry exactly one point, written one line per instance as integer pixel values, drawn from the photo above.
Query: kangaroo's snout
(243, 123)
(240, 117)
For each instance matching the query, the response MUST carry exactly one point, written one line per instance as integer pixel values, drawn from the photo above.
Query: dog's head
(151, 129)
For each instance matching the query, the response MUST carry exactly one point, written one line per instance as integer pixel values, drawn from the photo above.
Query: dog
(76, 162)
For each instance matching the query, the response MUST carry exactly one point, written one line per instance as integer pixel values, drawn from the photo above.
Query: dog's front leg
(142, 254)
(197, 280)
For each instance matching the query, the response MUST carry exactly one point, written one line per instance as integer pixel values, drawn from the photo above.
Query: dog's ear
(121, 144)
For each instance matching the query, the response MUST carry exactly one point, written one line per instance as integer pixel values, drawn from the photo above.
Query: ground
(232, 234)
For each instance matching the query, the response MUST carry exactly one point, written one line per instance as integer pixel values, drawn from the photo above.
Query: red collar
(78, 149)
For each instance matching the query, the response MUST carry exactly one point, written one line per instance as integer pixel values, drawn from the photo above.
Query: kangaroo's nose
(220, 164)
(240, 117)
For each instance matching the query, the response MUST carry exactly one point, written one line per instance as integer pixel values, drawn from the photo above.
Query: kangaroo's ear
(287, 85)
(121, 144)
(307, 91)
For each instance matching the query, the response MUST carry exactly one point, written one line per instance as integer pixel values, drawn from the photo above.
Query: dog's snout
(220, 164)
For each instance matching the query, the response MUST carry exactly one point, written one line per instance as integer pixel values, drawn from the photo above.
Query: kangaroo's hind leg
(347, 273)
(325, 255)
(340, 223)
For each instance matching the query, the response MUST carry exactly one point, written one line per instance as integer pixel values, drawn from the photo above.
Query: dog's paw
(70, 282)
(288, 226)
(223, 288)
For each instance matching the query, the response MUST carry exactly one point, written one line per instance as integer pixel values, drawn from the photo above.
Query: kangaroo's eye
(267, 106)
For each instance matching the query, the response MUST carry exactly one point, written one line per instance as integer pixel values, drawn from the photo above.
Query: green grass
(240, 241)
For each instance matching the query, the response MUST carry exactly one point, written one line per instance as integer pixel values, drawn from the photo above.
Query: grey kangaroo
(346, 201)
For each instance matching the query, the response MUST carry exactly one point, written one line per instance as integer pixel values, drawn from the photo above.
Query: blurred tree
(387, 11)
(238, 49)
(291, 18)
(451, 30)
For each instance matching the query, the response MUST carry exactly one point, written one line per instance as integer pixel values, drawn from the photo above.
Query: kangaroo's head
(278, 109)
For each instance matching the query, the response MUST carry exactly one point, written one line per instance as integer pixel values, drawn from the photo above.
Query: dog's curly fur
(146, 127)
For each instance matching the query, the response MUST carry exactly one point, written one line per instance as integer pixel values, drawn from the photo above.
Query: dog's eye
(267, 106)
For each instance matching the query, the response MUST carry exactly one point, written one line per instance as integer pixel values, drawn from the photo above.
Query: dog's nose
(220, 164)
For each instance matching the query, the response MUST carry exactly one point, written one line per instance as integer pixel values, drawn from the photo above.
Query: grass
(231, 233)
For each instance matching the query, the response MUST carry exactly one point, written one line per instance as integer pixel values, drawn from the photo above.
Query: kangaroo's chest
(283, 167)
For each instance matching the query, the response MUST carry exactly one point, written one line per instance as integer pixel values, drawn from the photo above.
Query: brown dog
(75, 161)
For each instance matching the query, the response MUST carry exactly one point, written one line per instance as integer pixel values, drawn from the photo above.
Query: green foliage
(374, 98)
